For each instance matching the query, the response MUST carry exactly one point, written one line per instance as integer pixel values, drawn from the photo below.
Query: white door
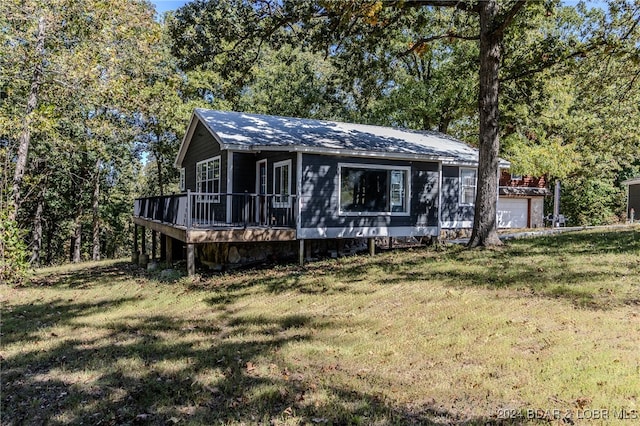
(512, 212)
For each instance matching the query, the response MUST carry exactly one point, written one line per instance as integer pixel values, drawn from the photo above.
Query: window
(282, 184)
(376, 190)
(182, 180)
(468, 186)
(261, 177)
(208, 179)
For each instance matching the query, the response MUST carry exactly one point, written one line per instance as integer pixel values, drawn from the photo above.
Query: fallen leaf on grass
(213, 390)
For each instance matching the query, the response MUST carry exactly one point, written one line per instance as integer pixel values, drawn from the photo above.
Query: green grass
(535, 330)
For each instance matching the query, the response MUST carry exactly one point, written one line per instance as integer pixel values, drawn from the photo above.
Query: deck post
(163, 246)
(153, 245)
(189, 218)
(301, 252)
(372, 246)
(144, 239)
(134, 255)
(143, 258)
(168, 249)
(191, 259)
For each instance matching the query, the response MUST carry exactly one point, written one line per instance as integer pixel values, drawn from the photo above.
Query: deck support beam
(134, 255)
(191, 259)
(301, 253)
(372, 246)
(163, 247)
(168, 248)
(144, 240)
(154, 246)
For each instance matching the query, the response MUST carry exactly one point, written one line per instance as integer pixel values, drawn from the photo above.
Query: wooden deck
(219, 234)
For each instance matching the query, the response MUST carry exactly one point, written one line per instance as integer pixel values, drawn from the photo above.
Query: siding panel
(452, 211)
(320, 194)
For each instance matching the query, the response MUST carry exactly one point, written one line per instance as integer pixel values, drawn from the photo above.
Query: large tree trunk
(96, 212)
(484, 223)
(25, 136)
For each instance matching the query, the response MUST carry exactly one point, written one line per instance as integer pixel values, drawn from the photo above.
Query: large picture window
(208, 178)
(373, 189)
(468, 179)
(282, 184)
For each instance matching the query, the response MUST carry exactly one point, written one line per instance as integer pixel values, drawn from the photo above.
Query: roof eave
(338, 152)
(186, 140)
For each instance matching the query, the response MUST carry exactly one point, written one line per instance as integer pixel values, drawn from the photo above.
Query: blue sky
(165, 5)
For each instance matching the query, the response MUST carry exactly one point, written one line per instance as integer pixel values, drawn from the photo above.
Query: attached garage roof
(254, 132)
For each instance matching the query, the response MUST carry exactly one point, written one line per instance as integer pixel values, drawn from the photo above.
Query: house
(633, 199)
(521, 201)
(261, 179)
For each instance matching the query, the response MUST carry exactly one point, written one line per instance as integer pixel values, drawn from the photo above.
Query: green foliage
(13, 251)
(592, 201)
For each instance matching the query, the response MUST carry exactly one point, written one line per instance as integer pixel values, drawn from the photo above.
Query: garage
(512, 212)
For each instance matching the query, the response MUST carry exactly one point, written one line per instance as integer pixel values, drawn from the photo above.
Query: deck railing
(207, 210)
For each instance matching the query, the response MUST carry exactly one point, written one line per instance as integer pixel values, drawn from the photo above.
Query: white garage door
(512, 212)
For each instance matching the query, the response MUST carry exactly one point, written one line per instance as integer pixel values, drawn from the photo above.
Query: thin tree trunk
(484, 224)
(159, 165)
(160, 178)
(49, 242)
(25, 136)
(37, 227)
(96, 212)
(76, 241)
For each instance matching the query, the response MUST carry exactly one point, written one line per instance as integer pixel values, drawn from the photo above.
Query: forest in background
(95, 96)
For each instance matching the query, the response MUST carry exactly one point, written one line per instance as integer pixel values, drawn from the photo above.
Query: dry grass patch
(418, 336)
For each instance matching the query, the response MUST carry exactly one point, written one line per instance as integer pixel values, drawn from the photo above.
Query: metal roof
(242, 131)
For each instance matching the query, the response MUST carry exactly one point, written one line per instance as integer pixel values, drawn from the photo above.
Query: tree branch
(458, 4)
(508, 17)
(425, 40)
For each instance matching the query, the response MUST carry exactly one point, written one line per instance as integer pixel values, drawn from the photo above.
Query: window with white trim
(468, 182)
(282, 184)
(182, 179)
(516, 177)
(373, 189)
(208, 178)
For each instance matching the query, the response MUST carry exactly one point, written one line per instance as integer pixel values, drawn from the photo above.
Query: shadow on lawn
(584, 243)
(88, 275)
(150, 371)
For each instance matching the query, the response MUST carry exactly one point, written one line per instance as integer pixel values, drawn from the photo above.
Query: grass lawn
(537, 331)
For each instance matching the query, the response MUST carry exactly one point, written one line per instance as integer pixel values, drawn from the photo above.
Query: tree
(369, 21)
(89, 65)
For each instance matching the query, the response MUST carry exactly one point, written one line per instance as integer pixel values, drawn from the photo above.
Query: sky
(166, 5)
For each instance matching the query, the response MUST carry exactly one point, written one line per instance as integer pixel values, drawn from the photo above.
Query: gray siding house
(633, 199)
(250, 178)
